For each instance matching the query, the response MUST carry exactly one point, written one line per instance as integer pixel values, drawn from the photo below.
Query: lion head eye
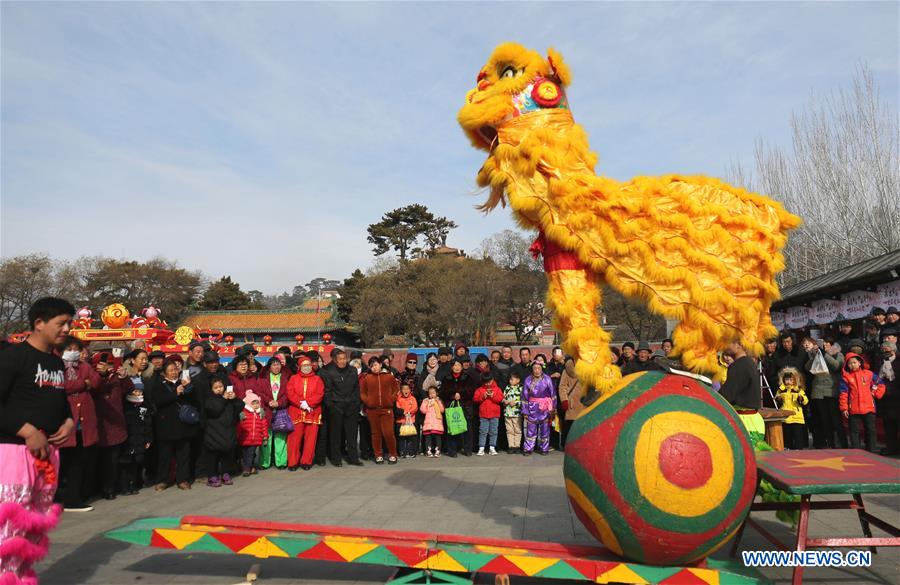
(509, 72)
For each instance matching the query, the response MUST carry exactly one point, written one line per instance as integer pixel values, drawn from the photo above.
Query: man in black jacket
(504, 365)
(741, 388)
(523, 368)
(342, 403)
(642, 363)
(789, 355)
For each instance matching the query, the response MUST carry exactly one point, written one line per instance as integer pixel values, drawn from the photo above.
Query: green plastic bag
(456, 419)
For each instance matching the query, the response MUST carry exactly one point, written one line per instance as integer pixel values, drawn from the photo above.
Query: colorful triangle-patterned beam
(437, 552)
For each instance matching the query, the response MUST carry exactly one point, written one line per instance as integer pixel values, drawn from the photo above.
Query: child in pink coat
(433, 427)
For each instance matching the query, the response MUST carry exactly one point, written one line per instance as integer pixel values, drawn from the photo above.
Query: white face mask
(71, 355)
(306, 369)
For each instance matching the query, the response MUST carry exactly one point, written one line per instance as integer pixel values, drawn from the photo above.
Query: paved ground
(504, 497)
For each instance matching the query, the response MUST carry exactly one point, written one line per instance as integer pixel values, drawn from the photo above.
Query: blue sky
(259, 140)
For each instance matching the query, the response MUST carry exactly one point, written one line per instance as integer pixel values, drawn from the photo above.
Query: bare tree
(841, 176)
(509, 249)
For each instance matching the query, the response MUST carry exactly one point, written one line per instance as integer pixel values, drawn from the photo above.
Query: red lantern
(229, 339)
(299, 339)
(327, 338)
(267, 339)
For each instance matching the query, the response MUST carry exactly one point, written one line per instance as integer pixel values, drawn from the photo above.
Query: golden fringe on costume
(694, 248)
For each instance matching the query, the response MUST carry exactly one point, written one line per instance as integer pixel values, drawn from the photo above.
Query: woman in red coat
(79, 453)
(113, 430)
(305, 393)
(242, 379)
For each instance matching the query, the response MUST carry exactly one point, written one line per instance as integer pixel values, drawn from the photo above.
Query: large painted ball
(115, 316)
(660, 469)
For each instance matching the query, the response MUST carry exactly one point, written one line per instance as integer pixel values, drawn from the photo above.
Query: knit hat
(304, 359)
(210, 356)
(461, 345)
(877, 311)
(386, 352)
(893, 311)
(411, 357)
(444, 351)
(481, 358)
(250, 397)
(487, 377)
(172, 359)
(855, 342)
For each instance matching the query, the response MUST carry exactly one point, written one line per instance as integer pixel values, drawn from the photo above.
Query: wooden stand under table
(826, 471)
(774, 420)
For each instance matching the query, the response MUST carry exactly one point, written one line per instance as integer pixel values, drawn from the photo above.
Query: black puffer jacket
(341, 387)
(139, 422)
(167, 424)
(220, 422)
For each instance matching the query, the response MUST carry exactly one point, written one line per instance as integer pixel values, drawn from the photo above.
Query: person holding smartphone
(175, 425)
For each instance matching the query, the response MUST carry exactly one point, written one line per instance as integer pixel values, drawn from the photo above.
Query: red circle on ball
(685, 460)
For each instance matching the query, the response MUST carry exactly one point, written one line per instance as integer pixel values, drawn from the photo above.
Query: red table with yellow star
(827, 471)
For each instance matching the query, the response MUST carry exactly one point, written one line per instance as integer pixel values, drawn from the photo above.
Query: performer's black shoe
(590, 396)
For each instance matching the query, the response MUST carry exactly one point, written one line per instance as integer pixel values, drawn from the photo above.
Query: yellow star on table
(836, 463)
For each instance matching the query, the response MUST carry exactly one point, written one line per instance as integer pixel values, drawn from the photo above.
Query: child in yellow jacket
(792, 396)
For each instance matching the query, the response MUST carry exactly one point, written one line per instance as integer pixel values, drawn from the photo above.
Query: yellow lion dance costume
(694, 248)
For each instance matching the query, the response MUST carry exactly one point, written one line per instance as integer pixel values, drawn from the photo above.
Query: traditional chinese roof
(262, 321)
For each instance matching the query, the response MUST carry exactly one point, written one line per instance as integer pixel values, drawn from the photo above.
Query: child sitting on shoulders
(406, 415)
(433, 427)
(252, 431)
(488, 397)
(512, 412)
